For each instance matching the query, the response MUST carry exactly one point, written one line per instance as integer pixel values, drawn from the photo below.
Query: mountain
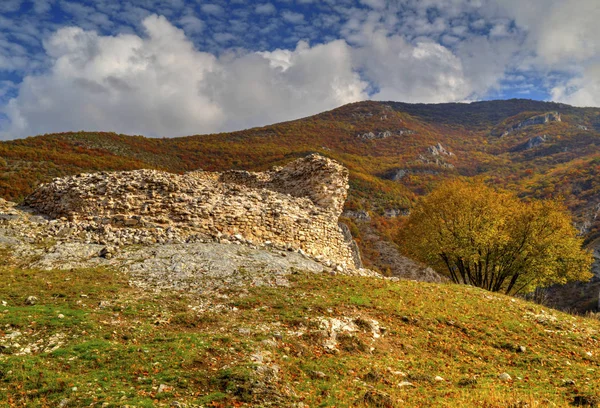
(394, 151)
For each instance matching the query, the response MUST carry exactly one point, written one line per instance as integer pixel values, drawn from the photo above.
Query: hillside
(91, 338)
(240, 288)
(395, 152)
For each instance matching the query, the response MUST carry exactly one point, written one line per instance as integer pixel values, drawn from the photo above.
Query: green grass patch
(118, 345)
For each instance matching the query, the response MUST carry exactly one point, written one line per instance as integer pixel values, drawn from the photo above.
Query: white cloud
(223, 37)
(284, 85)
(398, 69)
(124, 83)
(425, 72)
(42, 6)
(559, 31)
(571, 31)
(292, 17)
(376, 4)
(6, 87)
(87, 16)
(499, 30)
(562, 36)
(583, 90)
(266, 8)
(160, 85)
(10, 6)
(191, 24)
(213, 9)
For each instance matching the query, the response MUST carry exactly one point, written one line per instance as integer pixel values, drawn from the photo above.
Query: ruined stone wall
(296, 206)
(323, 181)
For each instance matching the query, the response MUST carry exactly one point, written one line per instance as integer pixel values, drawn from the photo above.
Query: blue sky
(173, 68)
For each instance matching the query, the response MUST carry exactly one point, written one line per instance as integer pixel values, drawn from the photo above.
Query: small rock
(521, 349)
(405, 384)
(463, 382)
(438, 378)
(398, 373)
(164, 388)
(269, 342)
(4, 303)
(31, 300)
(63, 403)
(107, 252)
(61, 316)
(318, 374)
(13, 335)
(568, 382)
(505, 377)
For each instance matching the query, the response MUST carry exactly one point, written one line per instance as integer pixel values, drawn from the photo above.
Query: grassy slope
(121, 352)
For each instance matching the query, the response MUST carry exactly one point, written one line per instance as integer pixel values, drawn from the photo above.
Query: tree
(491, 239)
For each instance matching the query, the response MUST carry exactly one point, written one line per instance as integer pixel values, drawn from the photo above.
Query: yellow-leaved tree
(491, 239)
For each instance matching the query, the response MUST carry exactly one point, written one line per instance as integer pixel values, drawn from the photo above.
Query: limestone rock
(31, 300)
(437, 155)
(531, 143)
(534, 120)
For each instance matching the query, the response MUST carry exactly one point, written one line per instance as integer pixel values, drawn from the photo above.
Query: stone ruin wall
(324, 182)
(296, 206)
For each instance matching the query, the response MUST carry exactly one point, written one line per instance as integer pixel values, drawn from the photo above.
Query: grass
(118, 345)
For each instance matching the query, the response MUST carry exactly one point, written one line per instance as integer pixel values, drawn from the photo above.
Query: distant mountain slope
(395, 152)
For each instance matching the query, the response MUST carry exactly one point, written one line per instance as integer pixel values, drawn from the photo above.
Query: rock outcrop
(534, 120)
(439, 150)
(384, 134)
(399, 174)
(296, 206)
(530, 143)
(437, 155)
(371, 136)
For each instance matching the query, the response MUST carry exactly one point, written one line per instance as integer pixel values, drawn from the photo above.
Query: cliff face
(296, 206)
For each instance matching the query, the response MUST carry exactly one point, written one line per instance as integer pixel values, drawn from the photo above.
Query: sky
(166, 68)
